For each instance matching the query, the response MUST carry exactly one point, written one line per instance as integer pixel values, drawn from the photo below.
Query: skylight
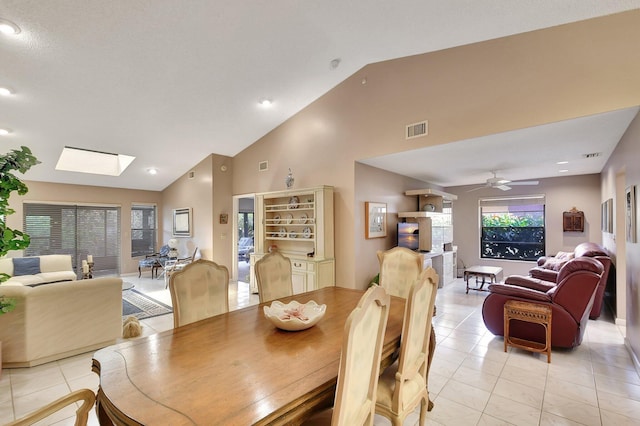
(93, 162)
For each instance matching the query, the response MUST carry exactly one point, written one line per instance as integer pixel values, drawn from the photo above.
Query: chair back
(360, 360)
(200, 290)
(416, 331)
(273, 275)
(87, 397)
(399, 268)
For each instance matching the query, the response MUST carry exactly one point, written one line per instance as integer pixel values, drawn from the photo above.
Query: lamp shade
(172, 243)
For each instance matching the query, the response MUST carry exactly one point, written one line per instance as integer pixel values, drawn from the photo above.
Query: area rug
(142, 306)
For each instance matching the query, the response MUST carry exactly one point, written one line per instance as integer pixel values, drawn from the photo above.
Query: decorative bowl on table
(294, 316)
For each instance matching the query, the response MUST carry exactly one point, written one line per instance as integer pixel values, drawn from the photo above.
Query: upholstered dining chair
(200, 290)
(399, 268)
(363, 336)
(273, 275)
(403, 385)
(87, 397)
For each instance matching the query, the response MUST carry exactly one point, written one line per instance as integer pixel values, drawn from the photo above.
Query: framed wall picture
(375, 220)
(630, 213)
(182, 222)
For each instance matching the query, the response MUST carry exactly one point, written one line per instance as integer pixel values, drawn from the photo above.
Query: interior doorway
(244, 236)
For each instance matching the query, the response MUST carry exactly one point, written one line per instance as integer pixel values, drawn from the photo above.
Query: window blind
(143, 230)
(75, 230)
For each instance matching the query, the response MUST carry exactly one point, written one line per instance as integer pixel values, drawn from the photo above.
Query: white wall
(622, 169)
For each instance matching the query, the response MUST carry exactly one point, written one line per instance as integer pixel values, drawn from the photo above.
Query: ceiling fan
(502, 183)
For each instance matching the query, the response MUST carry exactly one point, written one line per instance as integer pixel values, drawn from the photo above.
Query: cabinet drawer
(298, 265)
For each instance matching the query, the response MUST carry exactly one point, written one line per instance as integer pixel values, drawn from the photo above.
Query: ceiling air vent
(416, 130)
(592, 155)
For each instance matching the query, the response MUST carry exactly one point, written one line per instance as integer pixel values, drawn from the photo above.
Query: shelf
(432, 192)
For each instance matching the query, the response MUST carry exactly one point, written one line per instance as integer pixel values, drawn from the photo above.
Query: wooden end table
(493, 273)
(536, 313)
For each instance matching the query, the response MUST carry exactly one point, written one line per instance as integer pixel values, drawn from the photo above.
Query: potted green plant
(16, 160)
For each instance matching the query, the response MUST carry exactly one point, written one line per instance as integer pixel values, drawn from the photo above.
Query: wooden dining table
(232, 369)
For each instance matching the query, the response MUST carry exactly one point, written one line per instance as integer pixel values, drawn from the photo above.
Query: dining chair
(403, 385)
(200, 290)
(399, 268)
(87, 397)
(273, 275)
(363, 337)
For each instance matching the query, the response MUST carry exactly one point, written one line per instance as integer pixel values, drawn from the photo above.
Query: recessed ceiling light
(5, 91)
(8, 27)
(4, 132)
(265, 102)
(152, 171)
(562, 162)
(563, 171)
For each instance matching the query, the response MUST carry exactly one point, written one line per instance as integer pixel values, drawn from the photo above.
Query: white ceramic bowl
(294, 316)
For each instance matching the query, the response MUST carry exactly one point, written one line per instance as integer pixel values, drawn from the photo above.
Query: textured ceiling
(171, 82)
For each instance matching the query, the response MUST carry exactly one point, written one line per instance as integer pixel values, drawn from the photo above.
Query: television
(408, 235)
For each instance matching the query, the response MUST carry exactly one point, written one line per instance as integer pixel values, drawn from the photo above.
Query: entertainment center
(429, 230)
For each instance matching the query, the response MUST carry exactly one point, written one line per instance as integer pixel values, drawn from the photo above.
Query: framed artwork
(375, 220)
(182, 222)
(630, 221)
(607, 216)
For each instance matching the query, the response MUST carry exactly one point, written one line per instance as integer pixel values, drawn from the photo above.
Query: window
(144, 228)
(75, 230)
(512, 228)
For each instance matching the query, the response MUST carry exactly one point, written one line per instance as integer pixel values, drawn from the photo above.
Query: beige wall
(561, 194)
(87, 195)
(622, 170)
(495, 86)
(208, 194)
(380, 186)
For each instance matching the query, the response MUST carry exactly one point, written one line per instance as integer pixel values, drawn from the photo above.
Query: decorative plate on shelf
(288, 218)
(292, 234)
(282, 232)
(293, 202)
(276, 219)
(294, 316)
(306, 232)
(304, 218)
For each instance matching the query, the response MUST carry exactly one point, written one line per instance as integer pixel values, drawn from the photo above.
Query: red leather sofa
(549, 266)
(571, 300)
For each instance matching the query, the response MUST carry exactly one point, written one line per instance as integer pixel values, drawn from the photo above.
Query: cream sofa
(58, 320)
(47, 269)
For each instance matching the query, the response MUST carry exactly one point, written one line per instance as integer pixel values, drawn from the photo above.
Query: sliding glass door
(75, 230)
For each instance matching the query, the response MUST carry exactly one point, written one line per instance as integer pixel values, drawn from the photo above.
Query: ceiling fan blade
(524, 182)
(476, 188)
(503, 187)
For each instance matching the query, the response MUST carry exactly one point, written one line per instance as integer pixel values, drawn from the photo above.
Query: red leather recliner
(549, 266)
(571, 300)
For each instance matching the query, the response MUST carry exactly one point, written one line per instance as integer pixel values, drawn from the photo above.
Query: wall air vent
(191, 174)
(592, 155)
(263, 166)
(416, 130)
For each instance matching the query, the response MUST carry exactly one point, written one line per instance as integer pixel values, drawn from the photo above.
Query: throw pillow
(26, 266)
(554, 264)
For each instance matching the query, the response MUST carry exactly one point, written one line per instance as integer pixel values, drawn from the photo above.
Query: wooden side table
(528, 312)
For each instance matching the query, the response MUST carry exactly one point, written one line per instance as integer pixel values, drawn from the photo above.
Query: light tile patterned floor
(472, 381)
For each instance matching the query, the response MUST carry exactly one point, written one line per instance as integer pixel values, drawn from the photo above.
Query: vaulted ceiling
(171, 82)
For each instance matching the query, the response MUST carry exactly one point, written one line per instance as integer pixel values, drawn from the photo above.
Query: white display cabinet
(299, 224)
